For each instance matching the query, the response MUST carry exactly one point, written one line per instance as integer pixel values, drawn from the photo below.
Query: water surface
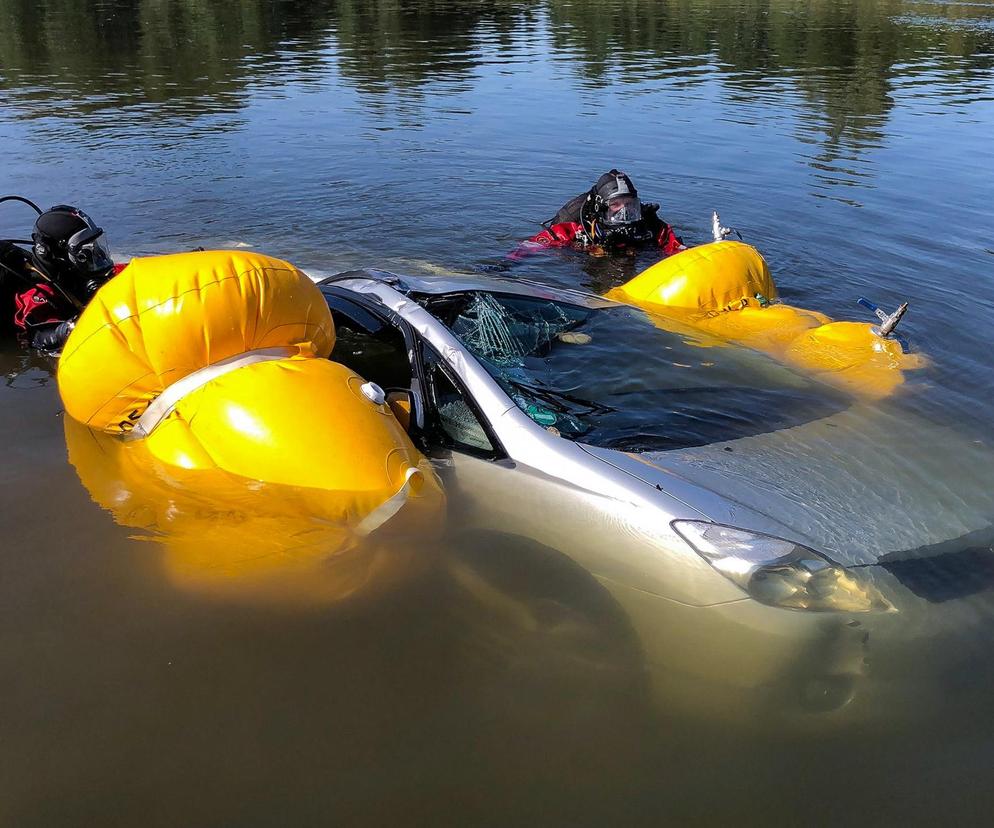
(850, 141)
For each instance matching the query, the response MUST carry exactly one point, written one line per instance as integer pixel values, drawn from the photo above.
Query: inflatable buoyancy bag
(214, 364)
(164, 317)
(850, 355)
(298, 422)
(725, 289)
(710, 277)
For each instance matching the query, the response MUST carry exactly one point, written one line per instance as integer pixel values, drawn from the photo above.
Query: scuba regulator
(612, 215)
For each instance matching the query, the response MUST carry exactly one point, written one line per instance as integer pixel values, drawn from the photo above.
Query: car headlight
(779, 572)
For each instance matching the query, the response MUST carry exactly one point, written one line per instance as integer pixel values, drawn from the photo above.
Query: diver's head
(72, 249)
(617, 200)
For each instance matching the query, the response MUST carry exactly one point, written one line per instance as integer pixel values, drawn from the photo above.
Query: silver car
(771, 545)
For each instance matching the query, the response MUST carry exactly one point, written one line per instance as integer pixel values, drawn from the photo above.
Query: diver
(44, 288)
(608, 218)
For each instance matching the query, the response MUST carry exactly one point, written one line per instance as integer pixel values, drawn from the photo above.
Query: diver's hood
(860, 485)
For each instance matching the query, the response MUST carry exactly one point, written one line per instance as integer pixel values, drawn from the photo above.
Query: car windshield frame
(554, 409)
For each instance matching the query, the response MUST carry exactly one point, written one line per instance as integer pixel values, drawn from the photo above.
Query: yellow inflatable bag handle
(164, 317)
(711, 277)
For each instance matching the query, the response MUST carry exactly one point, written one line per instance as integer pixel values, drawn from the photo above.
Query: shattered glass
(461, 424)
(504, 332)
(611, 377)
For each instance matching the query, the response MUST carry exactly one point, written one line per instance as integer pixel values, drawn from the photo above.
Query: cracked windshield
(496, 412)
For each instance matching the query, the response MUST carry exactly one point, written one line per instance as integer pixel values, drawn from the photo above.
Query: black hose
(23, 200)
(47, 279)
(16, 273)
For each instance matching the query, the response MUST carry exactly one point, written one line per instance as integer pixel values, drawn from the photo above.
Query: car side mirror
(399, 400)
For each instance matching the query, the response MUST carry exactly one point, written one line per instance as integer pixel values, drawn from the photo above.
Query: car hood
(861, 485)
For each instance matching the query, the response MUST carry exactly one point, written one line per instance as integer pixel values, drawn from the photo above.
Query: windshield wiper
(560, 400)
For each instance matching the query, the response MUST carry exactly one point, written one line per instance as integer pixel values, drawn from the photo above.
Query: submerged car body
(773, 544)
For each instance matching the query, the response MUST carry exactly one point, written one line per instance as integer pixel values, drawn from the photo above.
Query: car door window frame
(425, 420)
(362, 318)
(434, 423)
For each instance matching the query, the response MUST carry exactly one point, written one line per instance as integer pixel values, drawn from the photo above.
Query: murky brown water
(849, 141)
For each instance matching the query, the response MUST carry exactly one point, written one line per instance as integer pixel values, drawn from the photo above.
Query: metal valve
(721, 233)
(888, 322)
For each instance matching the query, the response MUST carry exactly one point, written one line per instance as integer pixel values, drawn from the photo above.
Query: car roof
(458, 283)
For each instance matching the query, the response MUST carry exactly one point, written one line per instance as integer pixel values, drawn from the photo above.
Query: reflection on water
(230, 538)
(844, 59)
(849, 140)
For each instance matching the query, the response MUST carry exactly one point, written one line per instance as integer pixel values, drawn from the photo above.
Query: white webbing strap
(162, 406)
(388, 508)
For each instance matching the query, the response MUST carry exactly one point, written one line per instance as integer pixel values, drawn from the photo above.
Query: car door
(512, 556)
(485, 488)
(488, 490)
(513, 532)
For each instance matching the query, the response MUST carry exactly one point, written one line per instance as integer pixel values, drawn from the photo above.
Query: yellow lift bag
(725, 289)
(208, 364)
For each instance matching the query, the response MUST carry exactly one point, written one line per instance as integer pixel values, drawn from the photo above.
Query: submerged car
(772, 543)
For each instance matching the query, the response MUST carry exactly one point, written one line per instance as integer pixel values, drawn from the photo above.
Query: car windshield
(615, 377)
